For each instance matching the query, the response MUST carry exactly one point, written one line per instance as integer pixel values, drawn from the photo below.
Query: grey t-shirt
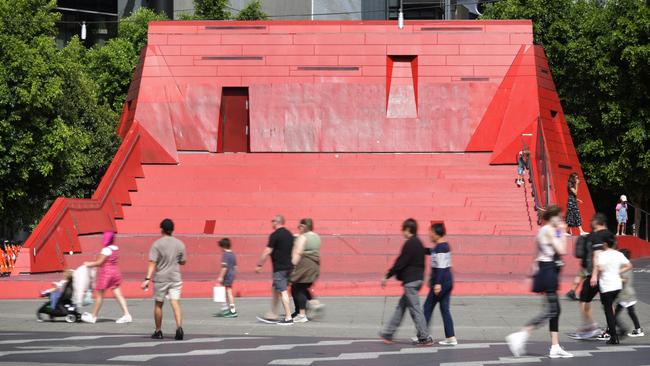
(167, 252)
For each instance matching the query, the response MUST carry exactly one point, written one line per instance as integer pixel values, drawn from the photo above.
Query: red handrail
(52, 219)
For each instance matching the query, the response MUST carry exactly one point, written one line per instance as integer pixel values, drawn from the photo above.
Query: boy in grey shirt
(166, 256)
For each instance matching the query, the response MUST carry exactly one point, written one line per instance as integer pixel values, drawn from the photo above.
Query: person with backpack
(579, 252)
(593, 244)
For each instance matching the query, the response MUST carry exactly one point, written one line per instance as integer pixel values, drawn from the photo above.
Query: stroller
(61, 307)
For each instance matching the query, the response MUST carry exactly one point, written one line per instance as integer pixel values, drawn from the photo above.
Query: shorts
(520, 171)
(167, 289)
(280, 281)
(588, 292)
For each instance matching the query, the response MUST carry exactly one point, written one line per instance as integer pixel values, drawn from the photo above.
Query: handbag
(219, 294)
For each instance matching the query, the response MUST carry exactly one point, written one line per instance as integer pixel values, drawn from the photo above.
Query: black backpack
(582, 247)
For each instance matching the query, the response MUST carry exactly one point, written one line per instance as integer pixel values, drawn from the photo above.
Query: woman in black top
(573, 218)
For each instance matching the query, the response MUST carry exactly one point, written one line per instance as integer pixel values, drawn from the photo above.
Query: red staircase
(349, 194)
(357, 201)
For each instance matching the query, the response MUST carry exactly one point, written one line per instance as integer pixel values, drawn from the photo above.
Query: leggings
(608, 299)
(300, 294)
(551, 313)
(630, 312)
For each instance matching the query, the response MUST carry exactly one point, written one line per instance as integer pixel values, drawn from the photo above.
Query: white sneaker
(447, 342)
(124, 319)
(517, 343)
(300, 319)
(88, 318)
(558, 352)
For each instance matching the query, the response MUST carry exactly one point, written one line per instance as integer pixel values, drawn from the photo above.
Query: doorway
(233, 120)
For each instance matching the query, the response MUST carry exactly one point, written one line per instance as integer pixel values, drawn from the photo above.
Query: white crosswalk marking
(530, 359)
(74, 338)
(58, 349)
(374, 355)
(212, 352)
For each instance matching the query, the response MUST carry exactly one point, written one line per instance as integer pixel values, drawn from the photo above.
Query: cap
(623, 198)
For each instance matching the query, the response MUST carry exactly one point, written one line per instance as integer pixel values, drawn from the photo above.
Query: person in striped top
(441, 282)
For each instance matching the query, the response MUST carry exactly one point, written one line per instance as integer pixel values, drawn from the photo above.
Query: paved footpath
(346, 335)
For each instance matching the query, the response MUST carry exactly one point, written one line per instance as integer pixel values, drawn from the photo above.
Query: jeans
(608, 299)
(442, 298)
(551, 313)
(410, 300)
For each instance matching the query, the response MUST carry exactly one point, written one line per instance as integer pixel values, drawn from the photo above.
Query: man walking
(165, 256)
(408, 268)
(594, 244)
(279, 248)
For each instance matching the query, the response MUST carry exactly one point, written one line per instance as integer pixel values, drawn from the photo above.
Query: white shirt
(545, 249)
(610, 263)
(107, 251)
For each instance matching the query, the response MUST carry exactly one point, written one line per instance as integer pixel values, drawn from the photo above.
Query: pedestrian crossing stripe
(531, 359)
(214, 352)
(73, 338)
(355, 356)
(59, 349)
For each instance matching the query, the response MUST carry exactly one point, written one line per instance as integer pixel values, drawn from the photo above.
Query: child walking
(627, 300)
(610, 266)
(227, 277)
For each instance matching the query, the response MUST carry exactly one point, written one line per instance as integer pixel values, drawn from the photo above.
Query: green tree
(56, 138)
(599, 53)
(112, 64)
(252, 11)
(134, 27)
(212, 9)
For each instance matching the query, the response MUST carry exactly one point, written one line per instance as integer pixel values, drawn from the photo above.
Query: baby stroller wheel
(71, 318)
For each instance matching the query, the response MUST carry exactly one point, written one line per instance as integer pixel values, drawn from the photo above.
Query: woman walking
(306, 259)
(573, 218)
(551, 245)
(441, 283)
(108, 277)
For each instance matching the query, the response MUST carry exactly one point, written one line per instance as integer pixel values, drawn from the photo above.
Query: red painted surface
(324, 98)
(637, 247)
(233, 119)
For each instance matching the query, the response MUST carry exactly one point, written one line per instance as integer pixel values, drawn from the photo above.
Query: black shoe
(179, 334)
(285, 322)
(613, 340)
(424, 342)
(157, 335)
(571, 295)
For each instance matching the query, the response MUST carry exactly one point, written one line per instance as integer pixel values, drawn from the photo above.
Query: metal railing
(644, 221)
(538, 159)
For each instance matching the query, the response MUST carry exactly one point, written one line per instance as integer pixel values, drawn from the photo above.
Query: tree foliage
(56, 137)
(252, 11)
(220, 10)
(599, 53)
(113, 63)
(212, 9)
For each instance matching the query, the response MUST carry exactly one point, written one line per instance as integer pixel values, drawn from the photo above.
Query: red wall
(296, 108)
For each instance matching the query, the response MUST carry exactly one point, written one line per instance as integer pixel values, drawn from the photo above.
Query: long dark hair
(572, 180)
